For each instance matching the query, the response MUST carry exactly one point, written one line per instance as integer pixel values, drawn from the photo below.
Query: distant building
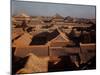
(58, 20)
(20, 18)
(68, 19)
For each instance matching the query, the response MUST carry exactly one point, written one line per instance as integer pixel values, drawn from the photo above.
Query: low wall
(37, 50)
(60, 51)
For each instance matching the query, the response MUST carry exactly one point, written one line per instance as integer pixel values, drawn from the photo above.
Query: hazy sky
(50, 9)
